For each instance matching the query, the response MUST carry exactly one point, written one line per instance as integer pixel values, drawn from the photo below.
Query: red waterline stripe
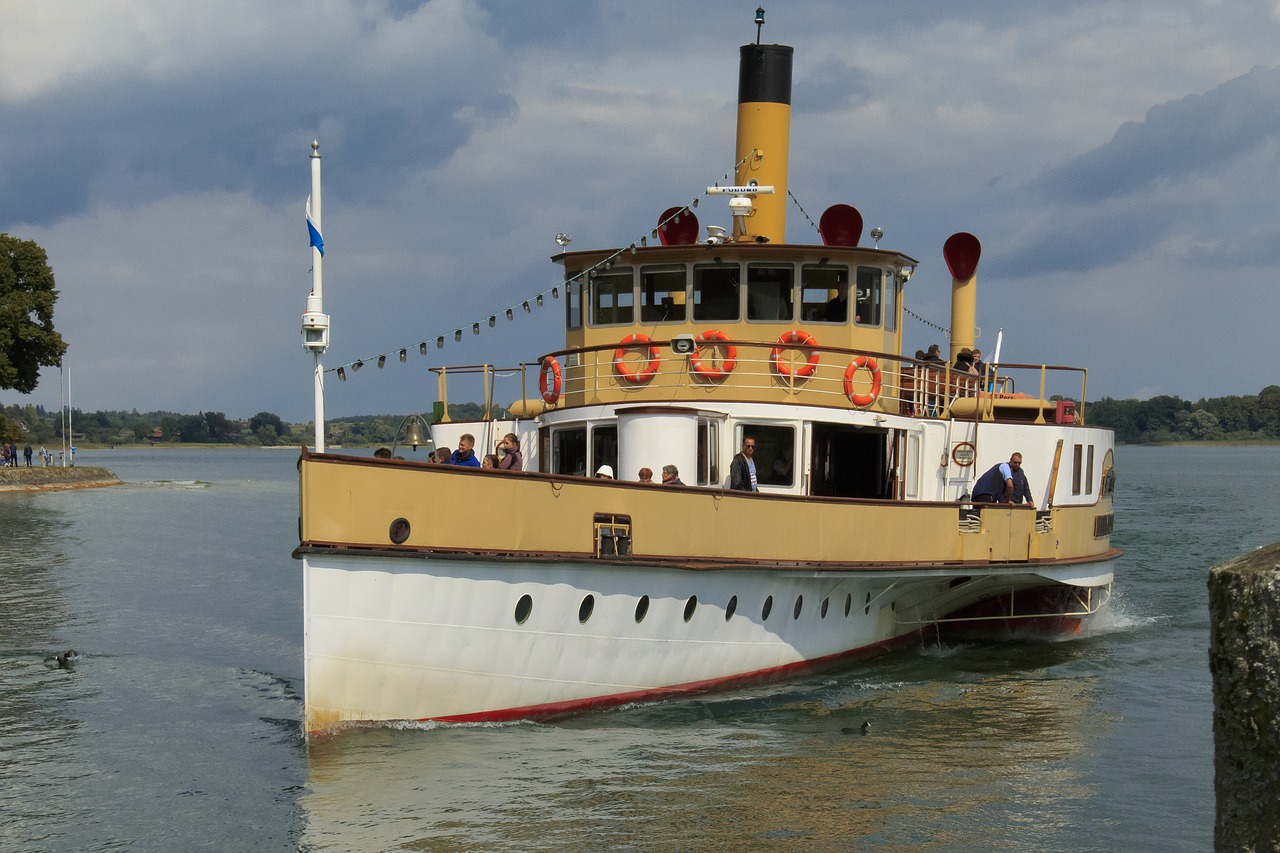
(777, 673)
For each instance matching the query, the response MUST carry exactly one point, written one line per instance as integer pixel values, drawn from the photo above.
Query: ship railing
(816, 375)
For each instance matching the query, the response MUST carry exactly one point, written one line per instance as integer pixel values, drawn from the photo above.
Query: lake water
(179, 727)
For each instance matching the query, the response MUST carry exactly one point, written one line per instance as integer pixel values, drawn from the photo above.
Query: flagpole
(315, 323)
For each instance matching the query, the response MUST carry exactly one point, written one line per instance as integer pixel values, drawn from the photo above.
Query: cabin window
(820, 289)
(775, 452)
(1088, 472)
(708, 453)
(573, 301)
(715, 292)
(604, 448)
(1077, 462)
(612, 298)
(890, 302)
(911, 473)
(867, 299)
(569, 451)
(769, 295)
(662, 294)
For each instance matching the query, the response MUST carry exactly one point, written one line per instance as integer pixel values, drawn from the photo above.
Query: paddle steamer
(561, 592)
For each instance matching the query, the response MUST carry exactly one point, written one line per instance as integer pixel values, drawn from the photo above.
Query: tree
(27, 339)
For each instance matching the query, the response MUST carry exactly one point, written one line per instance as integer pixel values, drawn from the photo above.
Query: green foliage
(27, 296)
(1168, 419)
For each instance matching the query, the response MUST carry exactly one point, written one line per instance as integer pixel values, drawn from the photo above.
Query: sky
(1120, 163)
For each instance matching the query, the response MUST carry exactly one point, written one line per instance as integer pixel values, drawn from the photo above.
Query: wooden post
(1244, 658)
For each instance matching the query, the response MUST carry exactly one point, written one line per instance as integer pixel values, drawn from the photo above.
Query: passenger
(604, 472)
(1004, 483)
(382, 453)
(964, 362)
(646, 475)
(444, 456)
(464, 454)
(490, 460)
(671, 476)
(512, 459)
(742, 470)
(934, 353)
(978, 364)
(782, 466)
(837, 308)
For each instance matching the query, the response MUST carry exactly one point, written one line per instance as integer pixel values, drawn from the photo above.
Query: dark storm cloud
(1196, 135)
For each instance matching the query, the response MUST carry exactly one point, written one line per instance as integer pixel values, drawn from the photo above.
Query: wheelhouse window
(569, 451)
(775, 452)
(890, 301)
(1077, 465)
(573, 300)
(715, 292)
(769, 292)
(868, 298)
(821, 286)
(612, 298)
(1088, 471)
(708, 453)
(662, 294)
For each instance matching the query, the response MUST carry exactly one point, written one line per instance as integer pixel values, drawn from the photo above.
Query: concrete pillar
(1244, 658)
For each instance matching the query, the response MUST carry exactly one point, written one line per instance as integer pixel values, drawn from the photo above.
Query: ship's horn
(961, 252)
(764, 138)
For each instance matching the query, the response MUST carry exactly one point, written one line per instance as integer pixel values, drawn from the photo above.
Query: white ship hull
(408, 639)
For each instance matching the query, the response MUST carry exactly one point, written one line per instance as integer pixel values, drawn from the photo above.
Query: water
(179, 727)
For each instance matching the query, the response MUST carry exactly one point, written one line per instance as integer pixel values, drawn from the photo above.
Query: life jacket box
(1066, 412)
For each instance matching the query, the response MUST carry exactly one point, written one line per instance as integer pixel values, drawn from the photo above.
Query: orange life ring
(862, 400)
(551, 396)
(707, 371)
(626, 374)
(797, 338)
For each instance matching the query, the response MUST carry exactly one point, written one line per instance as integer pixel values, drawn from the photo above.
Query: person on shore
(742, 470)
(1004, 484)
(26, 453)
(646, 475)
(671, 476)
(44, 456)
(464, 455)
(513, 458)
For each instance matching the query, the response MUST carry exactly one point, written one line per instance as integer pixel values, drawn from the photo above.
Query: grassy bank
(45, 479)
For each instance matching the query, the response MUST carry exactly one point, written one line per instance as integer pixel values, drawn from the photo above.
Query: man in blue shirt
(464, 454)
(1004, 483)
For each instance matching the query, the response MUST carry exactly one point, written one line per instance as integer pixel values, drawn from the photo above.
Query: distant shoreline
(34, 479)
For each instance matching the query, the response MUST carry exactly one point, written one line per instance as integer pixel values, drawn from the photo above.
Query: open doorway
(850, 462)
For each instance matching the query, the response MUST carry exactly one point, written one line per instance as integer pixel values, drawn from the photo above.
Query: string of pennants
(527, 305)
(539, 300)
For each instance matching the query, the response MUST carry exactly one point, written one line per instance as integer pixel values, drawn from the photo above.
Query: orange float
(862, 400)
(709, 371)
(800, 339)
(644, 374)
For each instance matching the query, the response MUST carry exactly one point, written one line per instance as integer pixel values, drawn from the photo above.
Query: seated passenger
(671, 476)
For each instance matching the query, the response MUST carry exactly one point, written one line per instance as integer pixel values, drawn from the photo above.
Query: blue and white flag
(316, 240)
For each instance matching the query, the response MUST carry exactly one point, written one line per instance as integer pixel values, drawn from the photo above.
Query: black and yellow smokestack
(764, 137)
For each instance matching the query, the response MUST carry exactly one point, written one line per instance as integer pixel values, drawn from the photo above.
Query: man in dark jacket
(1004, 483)
(742, 470)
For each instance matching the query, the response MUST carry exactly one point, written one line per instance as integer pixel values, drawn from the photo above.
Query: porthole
(867, 609)
(795, 611)
(767, 609)
(399, 531)
(523, 608)
(690, 606)
(642, 608)
(825, 602)
(848, 604)
(731, 608)
(584, 609)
